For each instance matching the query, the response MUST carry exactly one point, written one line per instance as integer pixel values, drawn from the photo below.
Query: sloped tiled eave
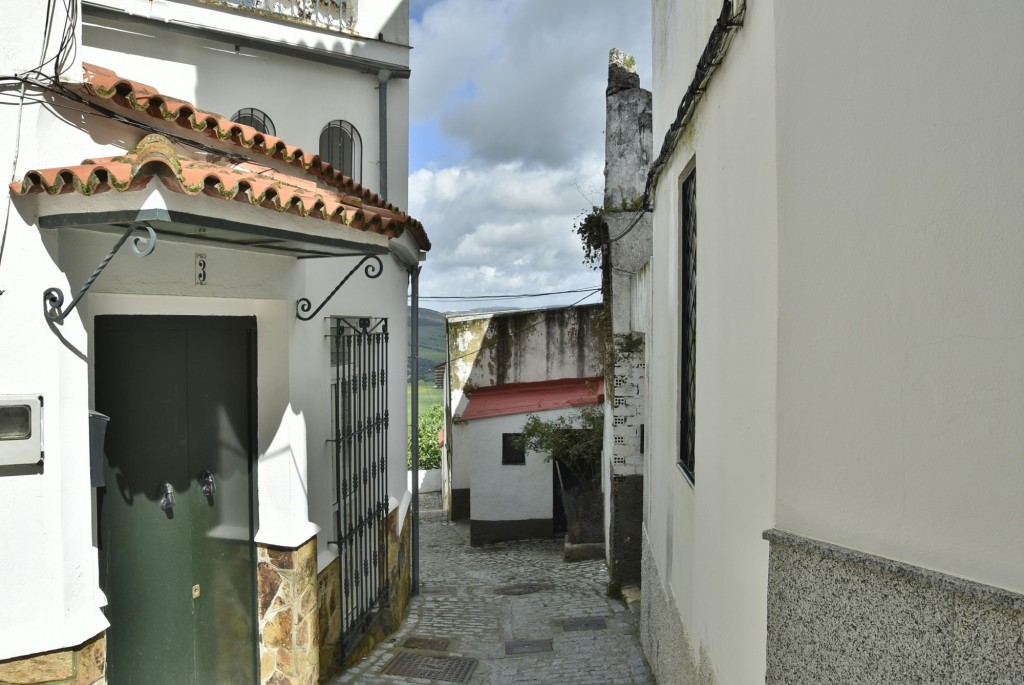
(155, 156)
(106, 86)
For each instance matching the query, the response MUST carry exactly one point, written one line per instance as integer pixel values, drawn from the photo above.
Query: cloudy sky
(507, 139)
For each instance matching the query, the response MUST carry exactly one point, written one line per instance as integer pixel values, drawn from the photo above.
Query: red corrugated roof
(524, 398)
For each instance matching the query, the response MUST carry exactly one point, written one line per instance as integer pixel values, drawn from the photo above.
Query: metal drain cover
(521, 589)
(527, 646)
(451, 669)
(426, 643)
(575, 624)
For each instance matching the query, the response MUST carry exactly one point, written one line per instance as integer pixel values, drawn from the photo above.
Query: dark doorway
(177, 558)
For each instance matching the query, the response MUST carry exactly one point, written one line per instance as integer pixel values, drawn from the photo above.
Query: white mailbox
(21, 434)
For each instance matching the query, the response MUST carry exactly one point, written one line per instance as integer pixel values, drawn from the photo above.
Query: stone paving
(457, 602)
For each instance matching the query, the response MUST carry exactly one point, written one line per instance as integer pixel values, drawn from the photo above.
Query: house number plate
(200, 269)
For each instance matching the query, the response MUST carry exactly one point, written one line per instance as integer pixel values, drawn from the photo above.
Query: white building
(833, 470)
(264, 327)
(502, 367)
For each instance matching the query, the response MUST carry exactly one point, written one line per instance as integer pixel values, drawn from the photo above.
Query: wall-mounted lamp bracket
(53, 298)
(372, 270)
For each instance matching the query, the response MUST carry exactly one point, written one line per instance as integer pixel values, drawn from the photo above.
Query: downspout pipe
(414, 341)
(383, 76)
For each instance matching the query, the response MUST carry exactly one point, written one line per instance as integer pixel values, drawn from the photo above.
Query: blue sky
(507, 137)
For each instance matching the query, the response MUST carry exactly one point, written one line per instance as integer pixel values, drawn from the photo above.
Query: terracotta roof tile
(140, 98)
(155, 156)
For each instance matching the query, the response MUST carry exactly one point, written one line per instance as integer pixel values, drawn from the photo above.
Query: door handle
(208, 483)
(166, 496)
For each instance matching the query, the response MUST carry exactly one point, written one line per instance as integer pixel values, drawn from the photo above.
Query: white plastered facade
(858, 372)
(50, 597)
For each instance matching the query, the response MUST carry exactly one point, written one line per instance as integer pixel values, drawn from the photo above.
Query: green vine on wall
(593, 233)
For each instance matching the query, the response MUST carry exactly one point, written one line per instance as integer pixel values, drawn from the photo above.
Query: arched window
(250, 116)
(342, 146)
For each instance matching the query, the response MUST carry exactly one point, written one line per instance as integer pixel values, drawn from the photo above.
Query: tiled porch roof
(139, 98)
(259, 186)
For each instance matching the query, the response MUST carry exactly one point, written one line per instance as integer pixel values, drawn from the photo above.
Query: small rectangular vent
(450, 669)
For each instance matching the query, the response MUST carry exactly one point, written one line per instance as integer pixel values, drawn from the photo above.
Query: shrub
(431, 423)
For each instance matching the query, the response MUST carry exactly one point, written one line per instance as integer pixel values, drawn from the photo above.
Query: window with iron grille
(258, 119)
(509, 454)
(688, 325)
(341, 146)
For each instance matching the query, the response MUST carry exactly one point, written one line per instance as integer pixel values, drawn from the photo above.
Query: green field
(429, 395)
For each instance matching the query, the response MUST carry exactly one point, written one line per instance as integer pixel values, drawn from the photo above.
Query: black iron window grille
(510, 455)
(258, 119)
(341, 146)
(359, 402)
(688, 325)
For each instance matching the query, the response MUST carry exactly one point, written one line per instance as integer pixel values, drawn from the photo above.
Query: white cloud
(518, 85)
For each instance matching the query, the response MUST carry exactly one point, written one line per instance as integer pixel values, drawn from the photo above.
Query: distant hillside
(433, 341)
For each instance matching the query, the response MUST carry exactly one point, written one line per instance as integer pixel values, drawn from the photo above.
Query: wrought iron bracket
(53, 298)
(372, 270)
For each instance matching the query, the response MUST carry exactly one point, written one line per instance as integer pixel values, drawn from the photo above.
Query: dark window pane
(509, 453)
(250, 116)
(688, 324)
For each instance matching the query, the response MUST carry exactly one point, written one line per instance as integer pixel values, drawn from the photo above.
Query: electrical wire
(471, 298)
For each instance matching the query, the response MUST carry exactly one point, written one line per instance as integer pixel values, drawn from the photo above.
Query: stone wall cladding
(288, 614)
(84, 664)
(329, 610)
(837, 615)
(390, 617)
(663, 636)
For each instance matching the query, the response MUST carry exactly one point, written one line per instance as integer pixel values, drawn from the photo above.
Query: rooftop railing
(339, 15)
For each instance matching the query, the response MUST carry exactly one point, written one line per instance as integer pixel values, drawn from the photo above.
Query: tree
(574, 441)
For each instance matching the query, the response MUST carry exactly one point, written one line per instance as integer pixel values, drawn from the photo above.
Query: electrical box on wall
(21, 429)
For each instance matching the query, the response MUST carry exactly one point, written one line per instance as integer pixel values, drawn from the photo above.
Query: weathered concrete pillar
(628, 147)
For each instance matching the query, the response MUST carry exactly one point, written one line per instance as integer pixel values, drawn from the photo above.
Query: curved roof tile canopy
(156, 157)
(139, 98)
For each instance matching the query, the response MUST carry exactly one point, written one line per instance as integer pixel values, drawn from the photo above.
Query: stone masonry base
(81, 665)
(841, 616)
(662, 635)
(287, 614)
(389, 618)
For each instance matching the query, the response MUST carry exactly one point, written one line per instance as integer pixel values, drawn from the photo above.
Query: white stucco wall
(503, 492)
(900, 409)
(858, 367)
(49, 596)
(293, 384)
(384, 296)
(707, 539)
(300, 96)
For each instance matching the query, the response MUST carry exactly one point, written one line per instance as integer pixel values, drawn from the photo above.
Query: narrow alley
(506, 613)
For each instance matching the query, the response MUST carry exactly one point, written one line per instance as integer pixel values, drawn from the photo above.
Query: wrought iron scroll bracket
(53, 298)
(373, 270)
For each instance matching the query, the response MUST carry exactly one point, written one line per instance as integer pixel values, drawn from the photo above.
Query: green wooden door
(179, 580)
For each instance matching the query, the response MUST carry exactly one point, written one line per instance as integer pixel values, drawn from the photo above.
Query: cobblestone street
(459, 603)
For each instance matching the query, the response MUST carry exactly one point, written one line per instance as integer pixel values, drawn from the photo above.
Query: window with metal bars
(342, 147)
(688, 325)
(258, 119)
